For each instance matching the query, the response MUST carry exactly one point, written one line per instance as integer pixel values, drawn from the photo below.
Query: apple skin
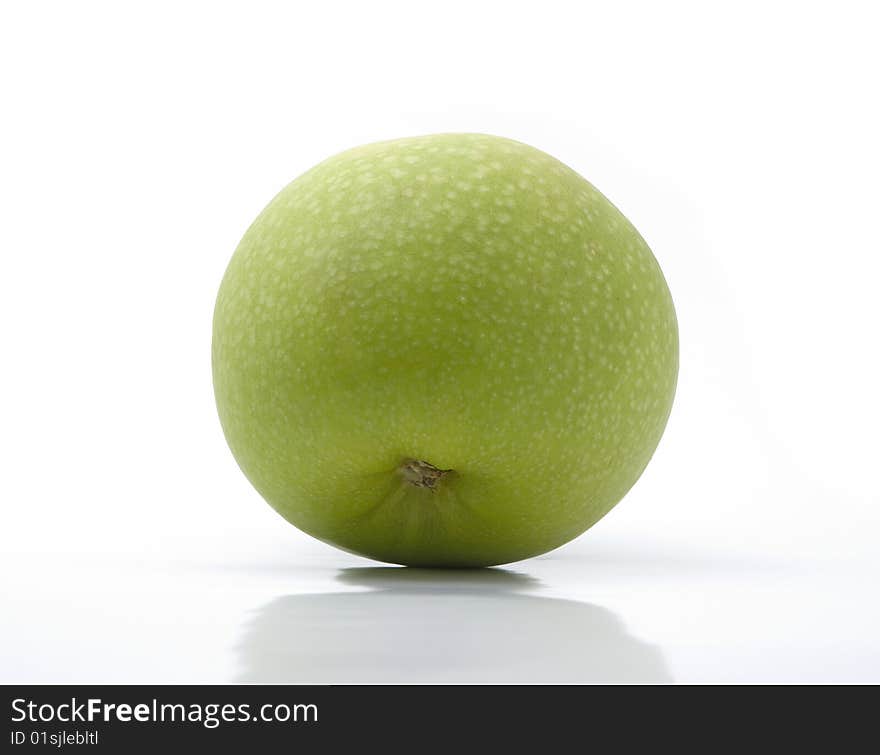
(447, 350)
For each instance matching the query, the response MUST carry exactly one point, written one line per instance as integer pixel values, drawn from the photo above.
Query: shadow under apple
(413, 625)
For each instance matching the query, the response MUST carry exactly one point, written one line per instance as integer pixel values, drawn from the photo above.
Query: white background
(138, 143)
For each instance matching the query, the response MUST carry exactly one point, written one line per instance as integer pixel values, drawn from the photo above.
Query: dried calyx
(421, 473)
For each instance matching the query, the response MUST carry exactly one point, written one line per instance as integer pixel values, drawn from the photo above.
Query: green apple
(446, 350)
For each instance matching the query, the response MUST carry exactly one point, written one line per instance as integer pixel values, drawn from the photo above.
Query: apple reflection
(413, 625)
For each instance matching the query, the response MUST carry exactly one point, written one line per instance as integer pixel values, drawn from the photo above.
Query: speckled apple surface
(447, 350)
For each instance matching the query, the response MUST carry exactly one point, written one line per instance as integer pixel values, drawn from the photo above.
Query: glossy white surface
(137, 146)
(604, 609)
